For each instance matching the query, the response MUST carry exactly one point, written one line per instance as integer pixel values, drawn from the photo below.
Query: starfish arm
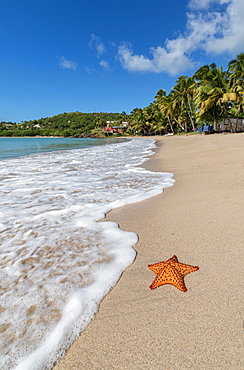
(185, 269)
(157, 267)
(173, 259)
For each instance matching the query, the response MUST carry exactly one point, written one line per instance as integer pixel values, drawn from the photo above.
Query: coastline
(200, 220)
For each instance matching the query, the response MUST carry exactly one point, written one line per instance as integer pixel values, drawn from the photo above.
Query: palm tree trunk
(190, 114)
(232, 129)
(217, 126)
(171, 127)
(179, 124)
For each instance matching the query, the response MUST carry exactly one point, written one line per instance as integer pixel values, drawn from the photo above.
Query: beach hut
(232, 124)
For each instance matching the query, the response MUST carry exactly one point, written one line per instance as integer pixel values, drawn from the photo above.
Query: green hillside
(75, 124)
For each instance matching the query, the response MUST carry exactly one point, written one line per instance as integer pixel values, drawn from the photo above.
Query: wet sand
(201, 220)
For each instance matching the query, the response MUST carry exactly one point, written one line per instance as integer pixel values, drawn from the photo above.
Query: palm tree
(169, 110)
(159, 96)
(160, 101)
(236, 69)
(153, 118)
(146, 121)
(182, 94)
(214, 94)
(137, 121)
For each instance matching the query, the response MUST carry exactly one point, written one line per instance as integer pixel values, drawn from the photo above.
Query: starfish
(171, 272)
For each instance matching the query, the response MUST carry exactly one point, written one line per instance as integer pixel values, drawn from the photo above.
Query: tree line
(207, 97)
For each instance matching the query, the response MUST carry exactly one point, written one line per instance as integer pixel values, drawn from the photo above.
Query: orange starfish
(171, 272)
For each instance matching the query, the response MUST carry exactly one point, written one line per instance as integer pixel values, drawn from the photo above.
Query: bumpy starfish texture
(171, 272)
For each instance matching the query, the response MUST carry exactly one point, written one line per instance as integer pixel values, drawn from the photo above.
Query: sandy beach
(201, 220)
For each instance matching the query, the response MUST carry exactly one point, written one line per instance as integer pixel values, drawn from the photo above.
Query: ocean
(14, 147)
(57, 261)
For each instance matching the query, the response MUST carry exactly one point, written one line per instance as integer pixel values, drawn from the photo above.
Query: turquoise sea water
(19, 147)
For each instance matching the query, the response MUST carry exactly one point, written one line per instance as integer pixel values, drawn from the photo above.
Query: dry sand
(201, 220)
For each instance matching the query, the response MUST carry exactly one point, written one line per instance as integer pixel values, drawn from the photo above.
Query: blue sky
(107, 56)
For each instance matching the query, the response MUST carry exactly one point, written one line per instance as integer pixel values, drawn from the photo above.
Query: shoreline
(199, 219)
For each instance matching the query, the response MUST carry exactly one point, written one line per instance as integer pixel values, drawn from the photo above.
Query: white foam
(58, 262)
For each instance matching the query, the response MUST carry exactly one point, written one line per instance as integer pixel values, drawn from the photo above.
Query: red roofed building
(115, 129)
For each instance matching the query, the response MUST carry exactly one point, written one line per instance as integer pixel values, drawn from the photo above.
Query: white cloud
(204, 4)
(105, 65)
(213, 26)
(199, 4)
(67, 64)
(162, 60)
(134, 63)
(98, 45)
(230, 29)
(90, 70)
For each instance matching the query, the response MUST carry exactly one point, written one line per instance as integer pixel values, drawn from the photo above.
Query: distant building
(112, 129)
(232, 124)
(123, 124)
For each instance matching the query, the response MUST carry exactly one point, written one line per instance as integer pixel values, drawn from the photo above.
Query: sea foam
(57, 261)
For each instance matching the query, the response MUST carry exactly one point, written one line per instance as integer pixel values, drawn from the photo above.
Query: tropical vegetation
(206, 98)
(75, 124)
